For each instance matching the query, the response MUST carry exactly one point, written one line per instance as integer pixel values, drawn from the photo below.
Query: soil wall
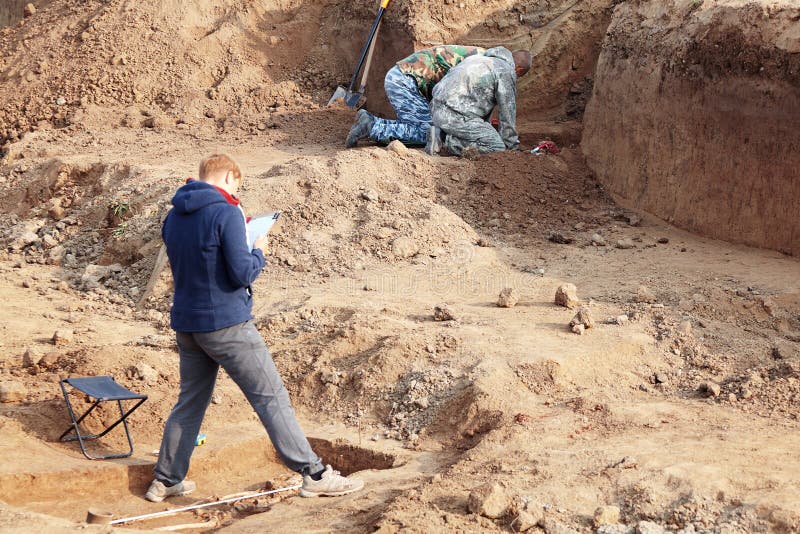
(11, 11)
(694, 115)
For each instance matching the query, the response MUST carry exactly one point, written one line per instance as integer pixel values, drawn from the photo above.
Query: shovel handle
(384, 5)
(369, 60)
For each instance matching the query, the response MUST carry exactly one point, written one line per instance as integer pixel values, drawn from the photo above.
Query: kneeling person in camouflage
(463, 102)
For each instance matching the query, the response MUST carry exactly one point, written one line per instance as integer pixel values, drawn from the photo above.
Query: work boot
(158, 491)
(332, 484)
(360, 129)
(434, 144)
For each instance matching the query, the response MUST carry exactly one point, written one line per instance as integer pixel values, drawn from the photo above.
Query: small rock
(27, 283)
(63, 337)
(525, 521)
(578, 329)
(49, 241)
(619, 320)
(50, 359)
(685, 328)
(508, 298)
(562, 239)
(398, 148)
(615, 529)
(488, 500)
(663, 240)
(551, 525)
(32, 356)
(331, 377)
(146, 373)
(634, 219)
(442, 312)
(56, 212)
(661, 378)
(404, 247)
(598, 240)
(625, 243)
(216, 398)
(60, 101)
(583, 317)
(370, 195)
(567, 296)
(606, 515)
(644, 295)
(648, 527)
(29, 10)
(710, 389)
(12, 392)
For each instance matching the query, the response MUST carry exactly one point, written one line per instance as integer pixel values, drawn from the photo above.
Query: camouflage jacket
(428, 66)
(479, 83)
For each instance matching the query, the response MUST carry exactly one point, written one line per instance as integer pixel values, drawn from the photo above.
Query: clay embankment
(694, 117)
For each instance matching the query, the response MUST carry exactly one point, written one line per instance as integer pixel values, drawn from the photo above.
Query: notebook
(259, 226)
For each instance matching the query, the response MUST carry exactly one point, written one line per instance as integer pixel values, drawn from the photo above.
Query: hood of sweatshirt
(196, 195)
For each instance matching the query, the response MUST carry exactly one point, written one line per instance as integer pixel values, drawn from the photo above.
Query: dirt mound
(688, 92)
(223, 65)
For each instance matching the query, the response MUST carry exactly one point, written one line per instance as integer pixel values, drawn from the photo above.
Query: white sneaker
(332, 484)
(158, 491)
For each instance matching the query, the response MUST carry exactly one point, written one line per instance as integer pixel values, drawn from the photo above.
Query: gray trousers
(464, 131)
(241, 351)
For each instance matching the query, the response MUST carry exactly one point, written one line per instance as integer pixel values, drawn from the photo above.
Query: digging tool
(102, 517)
(161, 261)
(350, 98)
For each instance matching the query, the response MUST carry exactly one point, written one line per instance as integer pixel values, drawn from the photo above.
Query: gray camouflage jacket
(477, 84)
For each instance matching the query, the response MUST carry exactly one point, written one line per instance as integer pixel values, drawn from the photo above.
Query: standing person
(213, 270)
(463, 102)
(409, 85)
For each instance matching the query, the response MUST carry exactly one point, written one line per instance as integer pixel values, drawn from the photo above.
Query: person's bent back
(463, 101)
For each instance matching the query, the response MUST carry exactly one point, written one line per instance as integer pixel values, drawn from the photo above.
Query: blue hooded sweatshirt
(211, 264)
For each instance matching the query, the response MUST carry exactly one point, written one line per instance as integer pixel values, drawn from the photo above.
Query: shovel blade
(351, 99)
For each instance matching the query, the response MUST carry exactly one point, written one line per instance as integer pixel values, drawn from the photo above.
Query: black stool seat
(102, 389)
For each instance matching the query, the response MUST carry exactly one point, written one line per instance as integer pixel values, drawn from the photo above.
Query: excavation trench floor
(427, 409)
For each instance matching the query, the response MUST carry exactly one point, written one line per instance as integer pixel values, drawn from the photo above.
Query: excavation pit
(248, 465)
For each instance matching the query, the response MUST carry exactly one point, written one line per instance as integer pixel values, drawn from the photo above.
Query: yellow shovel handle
(385, 3)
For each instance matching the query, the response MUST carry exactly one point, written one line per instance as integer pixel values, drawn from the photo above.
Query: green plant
(120, 230)
(119, 208)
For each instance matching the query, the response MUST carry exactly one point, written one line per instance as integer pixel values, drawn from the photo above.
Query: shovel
(348, 96)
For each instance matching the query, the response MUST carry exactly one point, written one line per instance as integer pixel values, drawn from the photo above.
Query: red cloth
(228, 197)
(549, 147)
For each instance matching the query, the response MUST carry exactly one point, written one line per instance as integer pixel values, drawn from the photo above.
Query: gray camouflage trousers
(464, 131)
(241, 351)
(413, 112)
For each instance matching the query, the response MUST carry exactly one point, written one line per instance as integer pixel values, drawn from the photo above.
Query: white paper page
(259, 226)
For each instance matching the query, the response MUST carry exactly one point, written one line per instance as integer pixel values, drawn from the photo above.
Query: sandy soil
(683, 414)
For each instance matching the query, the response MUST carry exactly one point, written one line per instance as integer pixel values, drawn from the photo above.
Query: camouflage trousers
(413, 112)
(464, 131)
